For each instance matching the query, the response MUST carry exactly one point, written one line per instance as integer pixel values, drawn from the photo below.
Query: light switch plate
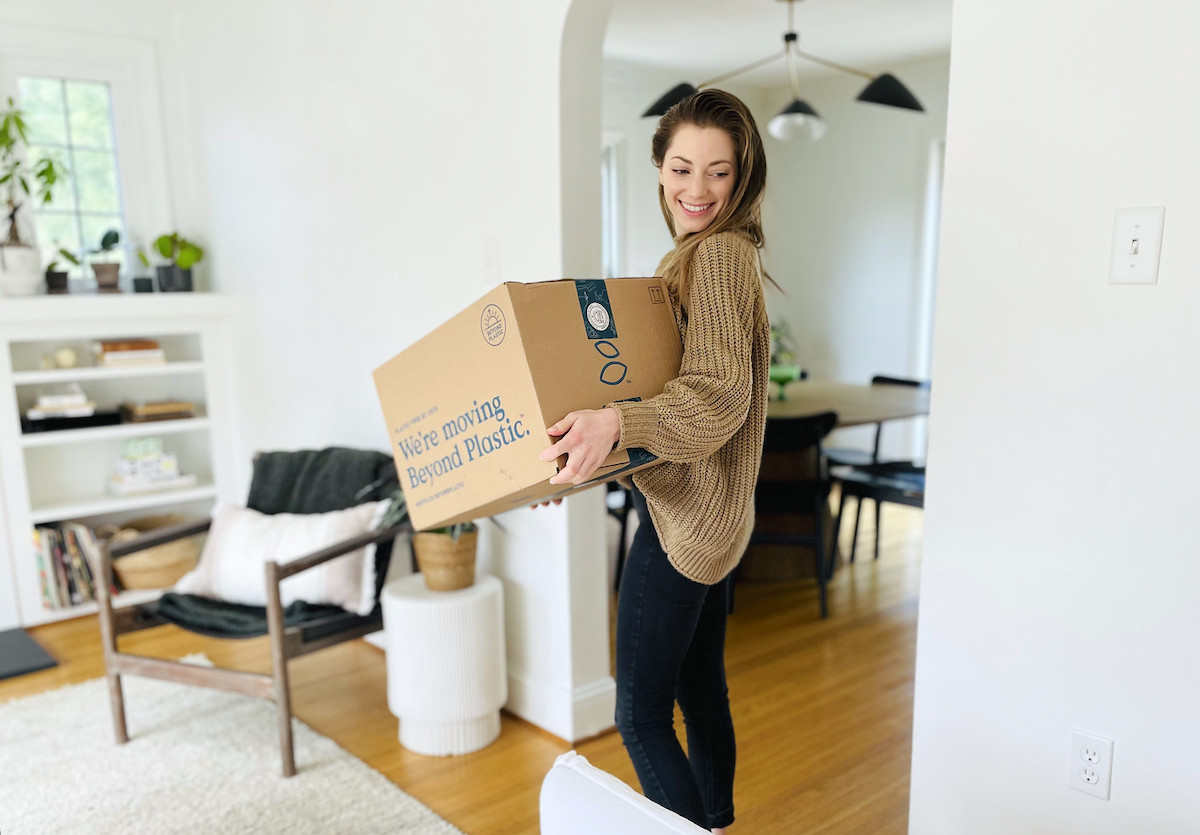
(1137, 240)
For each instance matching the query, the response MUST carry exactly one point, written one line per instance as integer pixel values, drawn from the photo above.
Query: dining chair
(865, 475)
(797, 482)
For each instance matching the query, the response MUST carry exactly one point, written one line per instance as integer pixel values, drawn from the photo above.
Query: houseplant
(183, 255)
(446, 556)
(56, 279)
(20, 181)
(107, 272)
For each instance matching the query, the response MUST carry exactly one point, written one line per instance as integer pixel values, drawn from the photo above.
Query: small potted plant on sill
(446, 556)
(183, 255)
(108, 273)
(56, 279)
(20, 262)
(143, 283)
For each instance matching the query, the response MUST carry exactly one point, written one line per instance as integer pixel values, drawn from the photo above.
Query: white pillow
(241, 541)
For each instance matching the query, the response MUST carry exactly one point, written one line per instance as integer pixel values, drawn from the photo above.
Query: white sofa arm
(579, 799)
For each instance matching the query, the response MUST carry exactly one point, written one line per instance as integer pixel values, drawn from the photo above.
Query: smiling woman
(697, 180)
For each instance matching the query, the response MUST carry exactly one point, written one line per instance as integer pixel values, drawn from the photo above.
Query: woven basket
(158, 567)
(445, 564)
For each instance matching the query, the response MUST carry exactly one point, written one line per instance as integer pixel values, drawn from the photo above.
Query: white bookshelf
(58, 476)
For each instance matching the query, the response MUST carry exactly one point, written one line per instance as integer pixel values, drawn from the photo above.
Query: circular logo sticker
(598, 316)
(491, 324)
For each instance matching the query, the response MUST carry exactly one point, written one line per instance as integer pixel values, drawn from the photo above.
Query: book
(68, 395)
(104, 346)
(49, 595)
(135, 488)
(139, 412)
(86, 409)
(126, 358)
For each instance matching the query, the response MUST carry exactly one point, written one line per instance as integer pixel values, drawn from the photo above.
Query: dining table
(856, 404)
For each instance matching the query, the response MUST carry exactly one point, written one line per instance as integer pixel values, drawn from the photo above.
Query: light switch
(1137, 238)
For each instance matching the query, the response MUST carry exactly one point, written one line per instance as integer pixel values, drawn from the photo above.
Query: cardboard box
(467, 406)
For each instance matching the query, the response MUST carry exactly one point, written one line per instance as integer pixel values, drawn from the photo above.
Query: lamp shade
(669, 99)
(887, 90)
(797, 121)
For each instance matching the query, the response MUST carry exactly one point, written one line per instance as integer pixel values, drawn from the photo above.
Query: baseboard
(571, 715)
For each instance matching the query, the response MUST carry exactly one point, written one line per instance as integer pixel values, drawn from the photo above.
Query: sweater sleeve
(701, 409)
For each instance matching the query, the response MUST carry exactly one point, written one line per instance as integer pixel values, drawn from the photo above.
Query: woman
(696, 508)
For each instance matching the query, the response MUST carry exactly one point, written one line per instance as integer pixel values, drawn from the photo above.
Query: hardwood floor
(823, 709)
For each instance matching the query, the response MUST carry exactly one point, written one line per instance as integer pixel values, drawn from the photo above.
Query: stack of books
(65, 407)
(145, 468)
(66, 554)
(145, 411)
(119, 353)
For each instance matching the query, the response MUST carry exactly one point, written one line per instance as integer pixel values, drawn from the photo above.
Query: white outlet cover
(1090, 764)
(1136, 244)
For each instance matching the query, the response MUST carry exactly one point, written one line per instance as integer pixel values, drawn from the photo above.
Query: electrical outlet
(1090, 764)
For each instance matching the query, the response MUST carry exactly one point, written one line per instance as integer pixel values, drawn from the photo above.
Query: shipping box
(468, 405)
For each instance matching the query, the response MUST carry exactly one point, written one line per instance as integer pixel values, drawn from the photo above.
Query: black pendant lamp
(799, 120)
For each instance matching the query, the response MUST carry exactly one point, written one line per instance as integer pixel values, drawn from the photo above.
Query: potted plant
(183, 255)
(20, 264)
(56, 279)
(107, 272)
(446, 556)
(143, 283)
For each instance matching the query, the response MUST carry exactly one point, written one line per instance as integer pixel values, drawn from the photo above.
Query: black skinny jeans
(671, 646)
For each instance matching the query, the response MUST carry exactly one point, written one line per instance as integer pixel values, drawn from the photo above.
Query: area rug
(198, 760)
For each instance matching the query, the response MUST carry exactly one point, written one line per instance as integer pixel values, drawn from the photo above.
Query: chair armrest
(344, 547)
(159, 536)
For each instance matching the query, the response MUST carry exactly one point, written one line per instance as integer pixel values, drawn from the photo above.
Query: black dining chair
(866, 475)
(801, 487)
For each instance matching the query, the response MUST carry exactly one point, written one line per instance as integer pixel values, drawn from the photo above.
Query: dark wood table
(855, 404)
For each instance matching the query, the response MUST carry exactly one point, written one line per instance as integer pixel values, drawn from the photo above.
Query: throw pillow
(241, 541)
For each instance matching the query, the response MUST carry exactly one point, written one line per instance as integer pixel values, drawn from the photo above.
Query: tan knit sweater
(708, 423)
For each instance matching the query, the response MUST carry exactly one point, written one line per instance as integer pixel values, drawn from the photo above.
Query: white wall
(1060, 572)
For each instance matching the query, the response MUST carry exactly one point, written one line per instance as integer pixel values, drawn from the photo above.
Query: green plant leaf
(164, 245)
(110, 239)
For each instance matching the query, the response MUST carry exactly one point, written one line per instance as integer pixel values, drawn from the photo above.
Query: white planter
(20, 270)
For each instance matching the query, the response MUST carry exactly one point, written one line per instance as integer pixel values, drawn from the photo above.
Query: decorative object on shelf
(20, 264)
(108, 273)
(144, 467)
(56, 279)
(147, 411)
(154, 568)
(446, 556)
(183, 255)
(63, 401)
(799, 120)
(121, 353)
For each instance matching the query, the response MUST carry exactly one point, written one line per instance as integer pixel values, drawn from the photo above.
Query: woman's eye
(680, 171)
(722, 173)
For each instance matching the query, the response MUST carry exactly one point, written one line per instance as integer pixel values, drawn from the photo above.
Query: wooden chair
(799, 486)
(856, 471)
(309, 481)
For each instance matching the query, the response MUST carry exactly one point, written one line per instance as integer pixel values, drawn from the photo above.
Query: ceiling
(706, 38)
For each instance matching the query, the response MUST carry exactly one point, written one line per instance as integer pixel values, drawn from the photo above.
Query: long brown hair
(743, 212)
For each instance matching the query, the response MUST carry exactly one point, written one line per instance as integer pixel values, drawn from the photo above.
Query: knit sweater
(707, 425)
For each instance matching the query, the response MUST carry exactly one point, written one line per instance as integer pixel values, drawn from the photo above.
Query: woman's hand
(588, 437)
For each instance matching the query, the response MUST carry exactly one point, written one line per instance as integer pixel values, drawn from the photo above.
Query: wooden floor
(822, 709)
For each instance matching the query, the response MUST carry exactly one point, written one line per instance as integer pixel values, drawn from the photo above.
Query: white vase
(20, 270)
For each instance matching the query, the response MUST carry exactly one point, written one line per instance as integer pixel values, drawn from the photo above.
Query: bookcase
(61, 476)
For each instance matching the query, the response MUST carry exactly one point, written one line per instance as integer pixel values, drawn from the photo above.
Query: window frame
(130, 67)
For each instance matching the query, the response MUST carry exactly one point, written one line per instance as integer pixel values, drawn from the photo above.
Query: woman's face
(697, 176)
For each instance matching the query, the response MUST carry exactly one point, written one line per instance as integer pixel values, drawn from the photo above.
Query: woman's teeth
(695, 209)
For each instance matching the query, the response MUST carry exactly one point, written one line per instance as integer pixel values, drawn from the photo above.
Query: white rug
(197, 760)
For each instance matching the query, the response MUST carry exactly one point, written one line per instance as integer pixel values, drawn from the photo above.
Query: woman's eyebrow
(687, 161)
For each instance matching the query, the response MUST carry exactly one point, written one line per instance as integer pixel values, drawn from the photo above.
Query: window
(610, 203)
(72, 121)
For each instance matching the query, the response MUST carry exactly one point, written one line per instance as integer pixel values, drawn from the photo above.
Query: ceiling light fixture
(799, 120)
